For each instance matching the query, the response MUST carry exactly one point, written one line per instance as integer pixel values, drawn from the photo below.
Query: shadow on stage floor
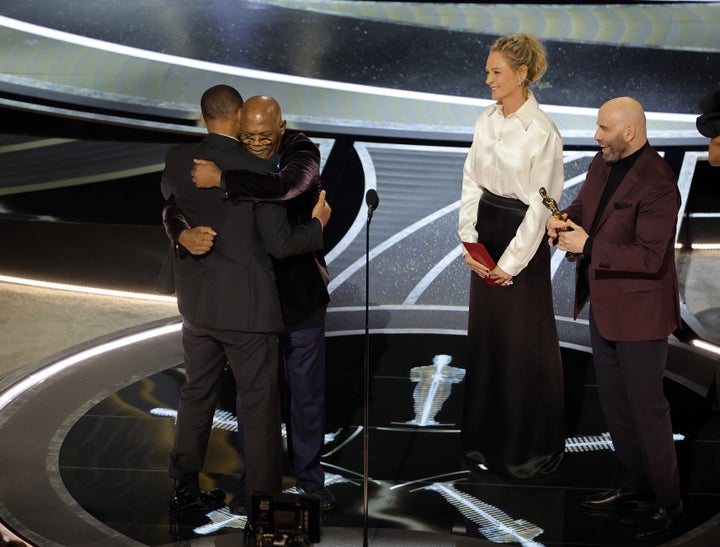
(90, 447)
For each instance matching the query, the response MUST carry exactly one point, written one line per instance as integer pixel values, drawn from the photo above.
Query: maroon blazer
(302, 280)
(633, 282)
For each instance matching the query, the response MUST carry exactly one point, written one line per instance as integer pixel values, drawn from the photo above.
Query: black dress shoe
(617, 497)
(661, 522)
(186, 500)
(327, 499)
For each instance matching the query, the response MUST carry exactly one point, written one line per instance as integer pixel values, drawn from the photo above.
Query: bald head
(628, 111)
(262, 126)
(261, 107)
(622, 128)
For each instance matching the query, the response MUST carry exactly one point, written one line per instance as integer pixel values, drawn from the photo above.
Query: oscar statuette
(551, 204)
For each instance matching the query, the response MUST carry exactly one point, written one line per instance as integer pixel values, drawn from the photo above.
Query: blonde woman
(513, 414)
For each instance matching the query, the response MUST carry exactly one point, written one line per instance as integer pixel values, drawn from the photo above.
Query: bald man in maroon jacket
(623, 221)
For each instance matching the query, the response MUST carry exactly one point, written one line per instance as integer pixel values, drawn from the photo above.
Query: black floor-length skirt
(513, 412)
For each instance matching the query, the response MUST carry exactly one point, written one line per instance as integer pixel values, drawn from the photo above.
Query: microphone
(372, 200)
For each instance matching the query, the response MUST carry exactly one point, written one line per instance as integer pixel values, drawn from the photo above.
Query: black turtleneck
(617, 173)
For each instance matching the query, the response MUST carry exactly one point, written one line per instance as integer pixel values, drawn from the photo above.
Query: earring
(520, 81)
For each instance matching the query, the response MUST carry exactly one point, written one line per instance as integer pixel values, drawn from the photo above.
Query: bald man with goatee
(623, 223)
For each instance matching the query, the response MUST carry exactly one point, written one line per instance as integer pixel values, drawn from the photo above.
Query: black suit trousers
(253, 360)
(303, 349)
(630, 384)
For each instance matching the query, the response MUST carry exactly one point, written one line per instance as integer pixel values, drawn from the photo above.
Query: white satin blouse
(513, 157)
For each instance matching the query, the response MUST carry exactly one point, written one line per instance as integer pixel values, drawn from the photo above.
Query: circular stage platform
(85, 437)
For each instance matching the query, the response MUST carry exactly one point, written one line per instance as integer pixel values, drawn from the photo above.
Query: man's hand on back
(206, 174)
(322, 209)
(198, 240)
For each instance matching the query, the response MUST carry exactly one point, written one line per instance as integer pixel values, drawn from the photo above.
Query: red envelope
(481, 255)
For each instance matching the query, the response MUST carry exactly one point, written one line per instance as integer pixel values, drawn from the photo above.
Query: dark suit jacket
(633, 281)
(302, 280)
(233, 285)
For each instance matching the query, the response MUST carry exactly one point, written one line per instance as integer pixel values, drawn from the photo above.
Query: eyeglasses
(247, 138)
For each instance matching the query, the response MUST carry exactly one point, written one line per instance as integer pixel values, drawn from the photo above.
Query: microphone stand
(371, 200)
(366, 382)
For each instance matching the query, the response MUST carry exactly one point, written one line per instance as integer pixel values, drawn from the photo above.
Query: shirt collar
(525, 113)
(228, 136)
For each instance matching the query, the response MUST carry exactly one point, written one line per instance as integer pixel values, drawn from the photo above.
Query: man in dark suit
(224, 282)
(623, 222)
(302, 280)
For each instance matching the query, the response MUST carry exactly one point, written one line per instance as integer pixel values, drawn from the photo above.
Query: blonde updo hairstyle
(523, 49)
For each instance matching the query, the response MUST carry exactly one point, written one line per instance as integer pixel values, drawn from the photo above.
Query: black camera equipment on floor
(286, 519)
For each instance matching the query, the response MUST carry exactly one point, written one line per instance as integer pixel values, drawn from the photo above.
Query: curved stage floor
(87, 437)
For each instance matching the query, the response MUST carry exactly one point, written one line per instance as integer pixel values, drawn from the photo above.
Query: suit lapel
(595, 192)
(622, 190)
(626, 185)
